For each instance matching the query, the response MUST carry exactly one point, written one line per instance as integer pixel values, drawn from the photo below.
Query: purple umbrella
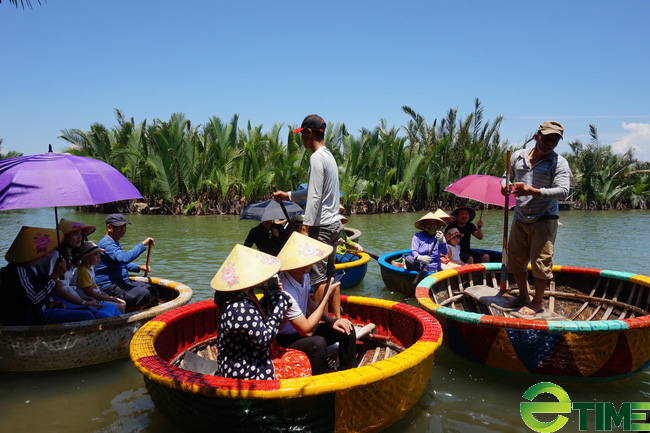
(55, 179)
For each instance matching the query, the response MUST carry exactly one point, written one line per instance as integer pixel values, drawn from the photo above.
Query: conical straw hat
(67, 226)
(301, 251)
(429, 216)
(442, 215)
(244, 267)
(32, 243)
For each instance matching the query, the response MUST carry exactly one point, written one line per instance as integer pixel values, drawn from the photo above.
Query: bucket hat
(453, 232)
(243, 268)
(32, 243)
(469, 209)
(301, 251)
(88, 248)
(67, 226)
(427, 217)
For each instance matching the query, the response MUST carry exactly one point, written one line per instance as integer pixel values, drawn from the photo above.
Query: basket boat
(353, 234)
(401, 280)
(354, 271)
(77, 344)
(594, 327)
(362, 399)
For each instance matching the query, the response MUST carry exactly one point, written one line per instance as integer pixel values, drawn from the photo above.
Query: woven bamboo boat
(594, 327)
(77, 344)
(353, 234)
(401, 280)
(362, 399)
(354, 271)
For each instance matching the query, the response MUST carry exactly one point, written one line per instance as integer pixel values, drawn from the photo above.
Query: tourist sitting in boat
(452, 258)
(246, 329)
(301, 328)
(26, 289)
(345, 244)
(85, 277)
(267, 236)
(427, 245)
(464, 216)
(66, 290)
(112, 271)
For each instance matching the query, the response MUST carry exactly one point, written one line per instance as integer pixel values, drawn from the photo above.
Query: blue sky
(70, 63)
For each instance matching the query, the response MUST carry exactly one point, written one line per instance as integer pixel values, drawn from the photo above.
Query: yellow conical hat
(67, 226)
(442, 215)
(429, 216)
(301, 251)
(32, 243)
(244, 267)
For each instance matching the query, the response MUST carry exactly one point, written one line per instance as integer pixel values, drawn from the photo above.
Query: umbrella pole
(286, 214)
(56, 222)
(503, 286)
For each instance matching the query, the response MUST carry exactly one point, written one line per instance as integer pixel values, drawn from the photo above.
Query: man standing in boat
(541, 177)
(322, 220)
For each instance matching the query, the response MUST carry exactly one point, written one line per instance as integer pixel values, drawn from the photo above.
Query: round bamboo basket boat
(353, 234)
(77, 344)
(362, 399)
(355, 271)
(594, 327)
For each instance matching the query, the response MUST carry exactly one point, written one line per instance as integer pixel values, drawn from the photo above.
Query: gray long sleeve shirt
(551, 175)
(322, 193)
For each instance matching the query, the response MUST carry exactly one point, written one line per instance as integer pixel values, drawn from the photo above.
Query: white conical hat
(244, 268)
(429, 216)
(439, 213)
(301, 251)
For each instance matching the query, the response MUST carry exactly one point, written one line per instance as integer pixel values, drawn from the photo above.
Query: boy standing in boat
(542, 178)
(322, 221)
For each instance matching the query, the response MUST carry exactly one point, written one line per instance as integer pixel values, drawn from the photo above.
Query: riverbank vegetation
(222, 166)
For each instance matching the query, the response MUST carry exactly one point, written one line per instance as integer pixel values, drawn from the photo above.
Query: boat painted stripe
(365, 258)
(462, 316)
(577, 270)
(640, 279)
(618, 275)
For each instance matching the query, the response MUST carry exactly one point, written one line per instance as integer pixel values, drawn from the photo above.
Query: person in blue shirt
(112, 271)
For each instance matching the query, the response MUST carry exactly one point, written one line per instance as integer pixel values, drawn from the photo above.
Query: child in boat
(27, 289)
(345, 244)
(66, 290)
(452, 259)
(246, 329)
(89, 256)
(301, 327)
(427, 245)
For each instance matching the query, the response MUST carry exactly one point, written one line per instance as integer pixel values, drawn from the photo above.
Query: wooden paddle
(422, 266)
(148, 257)
(284, 210)
(503, 286)
(354, 248)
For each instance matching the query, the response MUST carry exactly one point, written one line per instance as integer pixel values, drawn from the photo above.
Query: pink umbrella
(480, 187)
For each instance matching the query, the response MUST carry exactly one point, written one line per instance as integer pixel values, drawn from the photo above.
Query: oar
(503, 286)
(417, 279)
(354, 247)
(284, 210)
(148, 257)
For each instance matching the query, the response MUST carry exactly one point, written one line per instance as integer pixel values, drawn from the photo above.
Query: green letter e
(563, 406)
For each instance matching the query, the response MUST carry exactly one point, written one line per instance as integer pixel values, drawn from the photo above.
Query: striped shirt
(551, 175)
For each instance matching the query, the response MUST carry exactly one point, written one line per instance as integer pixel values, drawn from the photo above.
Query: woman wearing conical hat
(430, 236)
(301, 328)
(26, 289)
(246, 329)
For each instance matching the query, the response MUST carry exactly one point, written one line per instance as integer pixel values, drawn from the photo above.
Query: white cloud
(637, 137)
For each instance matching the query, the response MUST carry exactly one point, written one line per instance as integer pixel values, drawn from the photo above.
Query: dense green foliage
(222, 166)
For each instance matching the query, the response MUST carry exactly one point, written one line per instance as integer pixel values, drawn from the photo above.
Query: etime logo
(604, 414)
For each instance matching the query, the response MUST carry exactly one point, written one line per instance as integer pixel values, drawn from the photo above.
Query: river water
(460, 397)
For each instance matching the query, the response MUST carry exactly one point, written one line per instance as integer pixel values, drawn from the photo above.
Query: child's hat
(88, 248)
(430, 216)
(32, 243)
(67, 226)
(453, 232)
(301, 251)
(244, 268)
